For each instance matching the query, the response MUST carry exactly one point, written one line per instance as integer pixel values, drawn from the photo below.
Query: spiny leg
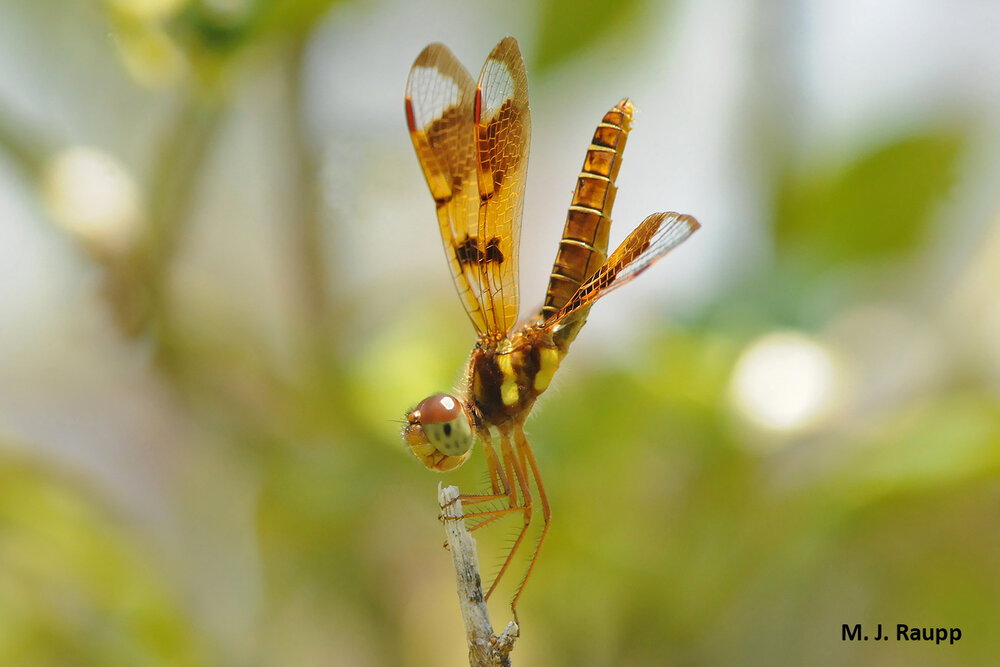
(512, 471)
(525, 453)
(499, 479)
(500, 474)
(512, 466)
(510, 458)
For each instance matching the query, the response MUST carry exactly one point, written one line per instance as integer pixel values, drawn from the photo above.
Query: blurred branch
(177, 168)
(135, 283)
(25, 146)
(176, 171)
(216, 40)
(318, 327)
(485, 648)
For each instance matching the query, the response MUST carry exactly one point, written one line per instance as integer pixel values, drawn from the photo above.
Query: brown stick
(485, 648)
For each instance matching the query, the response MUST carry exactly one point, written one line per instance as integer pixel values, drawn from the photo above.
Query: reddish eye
(446, 424)
(439, 408)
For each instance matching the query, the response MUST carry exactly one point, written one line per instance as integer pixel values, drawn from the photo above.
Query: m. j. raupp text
(904, 633)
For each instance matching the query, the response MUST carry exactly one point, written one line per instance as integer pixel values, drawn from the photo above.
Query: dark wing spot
(493, 252)
(467, 251)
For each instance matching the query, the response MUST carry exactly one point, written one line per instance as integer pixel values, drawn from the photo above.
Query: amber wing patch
(472, 142)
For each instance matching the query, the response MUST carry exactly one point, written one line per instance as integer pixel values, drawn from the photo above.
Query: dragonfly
(471, 138)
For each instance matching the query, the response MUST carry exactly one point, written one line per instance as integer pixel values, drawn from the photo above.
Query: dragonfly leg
(499, 478)
(511, 460)
(525, 454)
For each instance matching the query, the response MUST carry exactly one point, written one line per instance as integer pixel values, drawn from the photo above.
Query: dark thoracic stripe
(584, 245)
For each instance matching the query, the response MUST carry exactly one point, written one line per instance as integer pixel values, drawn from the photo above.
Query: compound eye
(446, 424)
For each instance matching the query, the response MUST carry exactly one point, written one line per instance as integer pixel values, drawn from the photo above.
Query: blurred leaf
(950, 440)
(290, 16)
(148, 52)
(211, 37)
(568, 28)
(146, 10)
(160, 41)
(340, 536)
(25, 146)
(877, 206)
(75, 588)
(223, 28)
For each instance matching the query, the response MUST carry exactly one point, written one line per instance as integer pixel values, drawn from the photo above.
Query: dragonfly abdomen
(584, 245)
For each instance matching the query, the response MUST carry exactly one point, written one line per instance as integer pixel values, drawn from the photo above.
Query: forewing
(440, 99)
(502, 137)
(652, 239)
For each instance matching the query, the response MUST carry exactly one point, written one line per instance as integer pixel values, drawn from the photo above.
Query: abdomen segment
(584, 245)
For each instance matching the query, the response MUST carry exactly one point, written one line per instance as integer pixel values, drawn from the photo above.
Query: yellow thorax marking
(548, 363)
(508, 390)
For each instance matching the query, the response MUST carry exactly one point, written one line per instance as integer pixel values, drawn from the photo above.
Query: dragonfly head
(439, 432)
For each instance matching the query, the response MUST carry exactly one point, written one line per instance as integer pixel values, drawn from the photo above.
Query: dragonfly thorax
(504, 381)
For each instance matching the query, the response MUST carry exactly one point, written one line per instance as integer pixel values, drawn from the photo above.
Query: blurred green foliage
(876, 207)
(567, 29)
(217, 30)
(78, 586)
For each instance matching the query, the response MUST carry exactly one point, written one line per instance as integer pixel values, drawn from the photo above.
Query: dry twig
(485, 648)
